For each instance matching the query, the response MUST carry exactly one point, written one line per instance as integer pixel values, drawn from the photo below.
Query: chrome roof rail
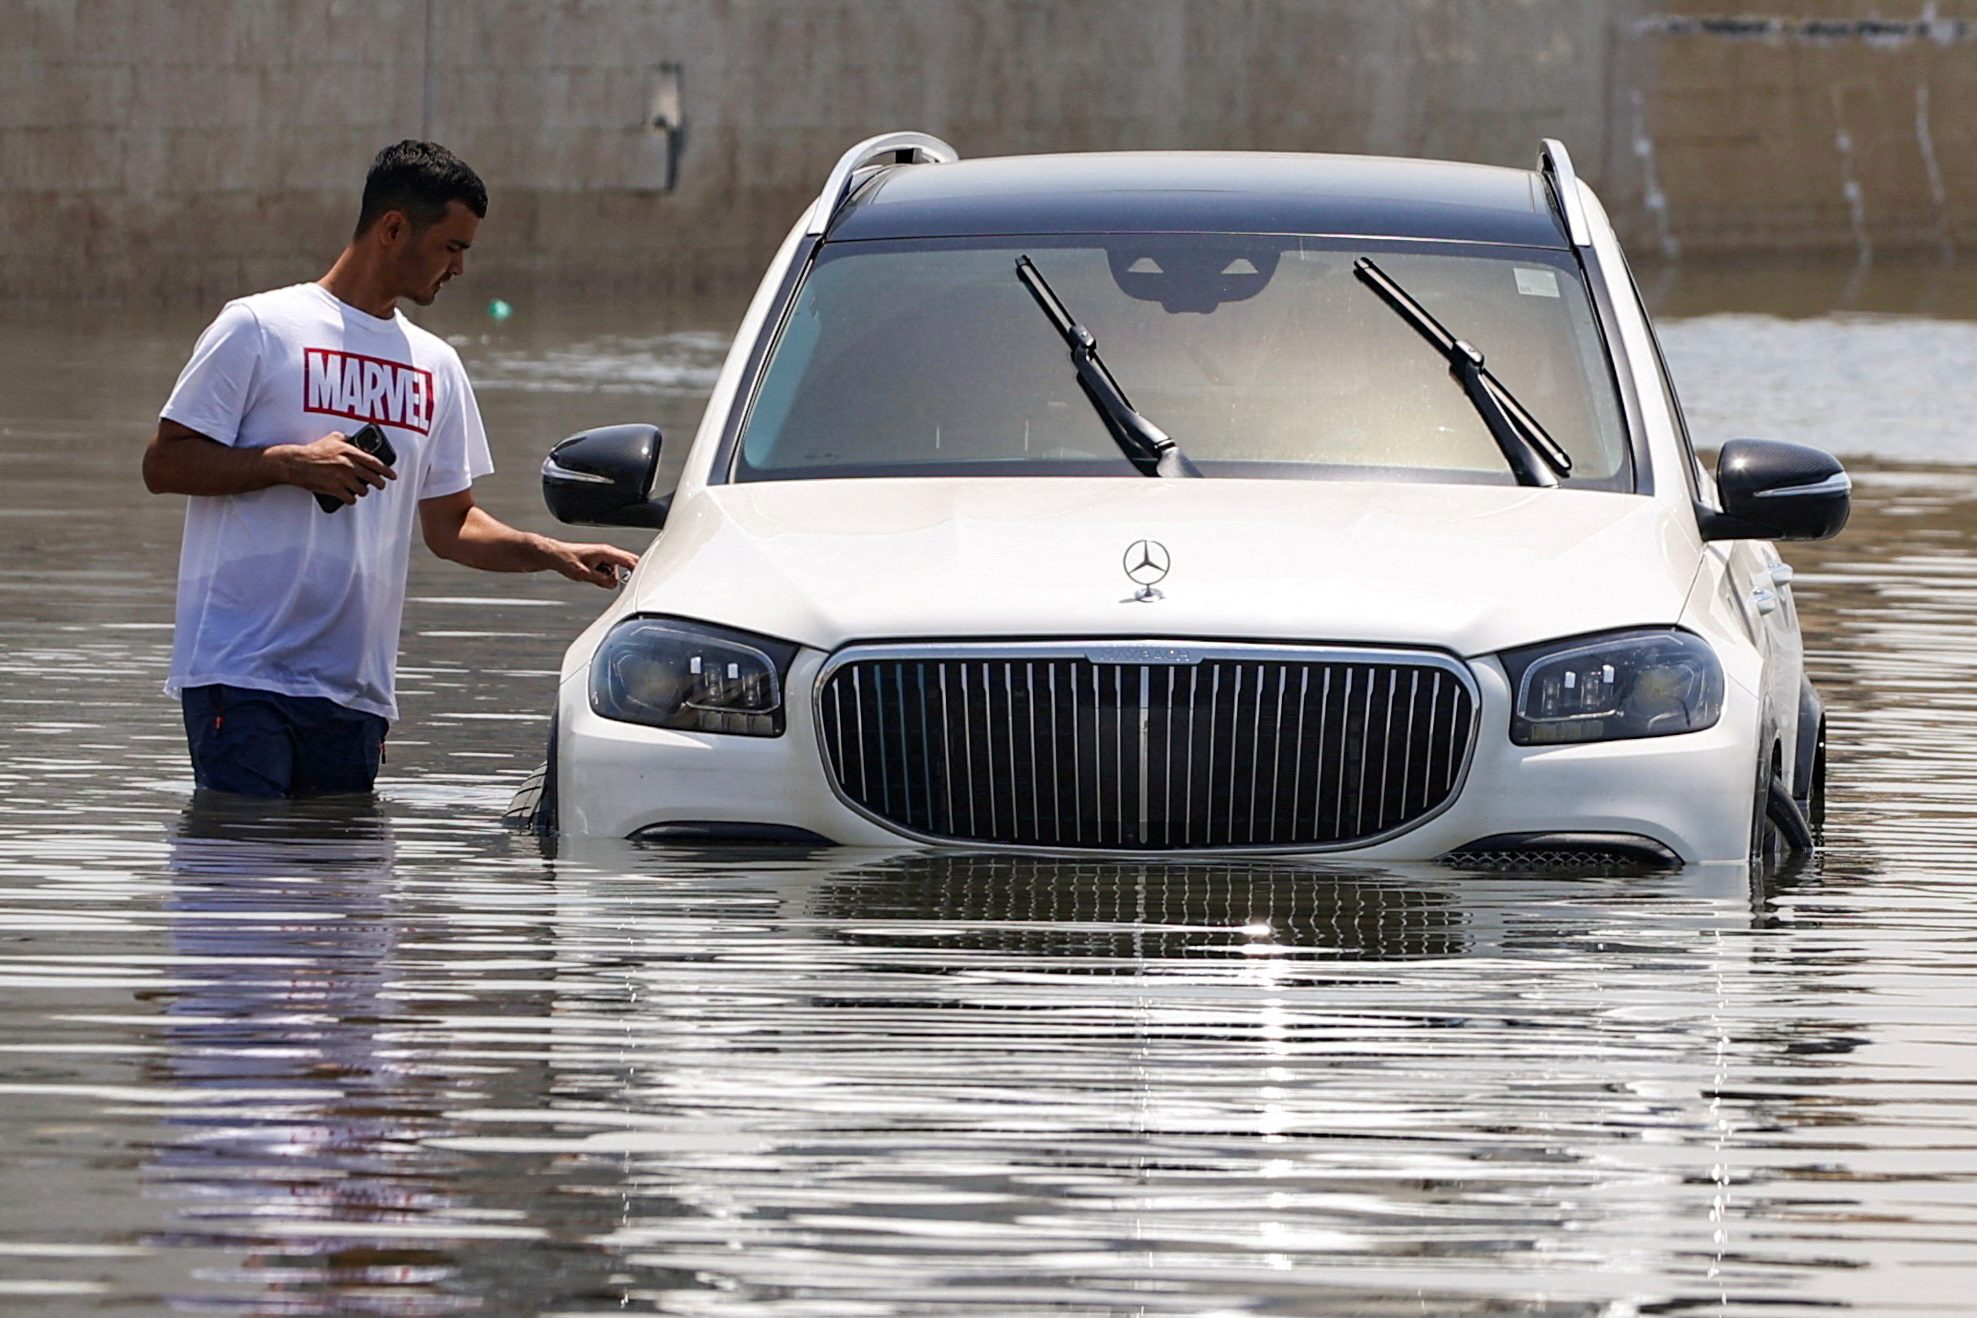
(1555, 163)
(905, 148)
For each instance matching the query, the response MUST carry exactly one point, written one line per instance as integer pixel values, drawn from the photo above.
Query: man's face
(424, 259)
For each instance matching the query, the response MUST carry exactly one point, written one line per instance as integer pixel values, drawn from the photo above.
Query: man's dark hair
(419, 179)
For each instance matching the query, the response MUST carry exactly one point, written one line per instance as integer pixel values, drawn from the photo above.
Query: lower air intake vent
(1563, 851)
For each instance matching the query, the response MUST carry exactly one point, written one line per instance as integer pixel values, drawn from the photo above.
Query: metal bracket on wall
(665, 118)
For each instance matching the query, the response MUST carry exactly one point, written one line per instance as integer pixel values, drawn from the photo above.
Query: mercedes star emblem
(1146, 564)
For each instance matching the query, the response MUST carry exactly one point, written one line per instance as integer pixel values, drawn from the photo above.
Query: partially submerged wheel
(1808, 769)
(1811, 785)
(1781, 824)
(1764, 841)
(533, 807)
(526, 803)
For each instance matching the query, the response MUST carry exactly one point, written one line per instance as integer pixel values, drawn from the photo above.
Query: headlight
(1604, 688)
(687, 675)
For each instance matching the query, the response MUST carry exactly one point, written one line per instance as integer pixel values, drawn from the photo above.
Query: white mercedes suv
(1180, 502)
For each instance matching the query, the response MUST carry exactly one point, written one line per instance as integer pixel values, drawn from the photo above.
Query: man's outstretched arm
(456, 528)
(180, 460)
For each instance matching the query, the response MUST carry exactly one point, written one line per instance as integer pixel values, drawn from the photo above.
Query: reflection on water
(286, 1116)
(383, 1057)
(1102, 918)
(345, 1077)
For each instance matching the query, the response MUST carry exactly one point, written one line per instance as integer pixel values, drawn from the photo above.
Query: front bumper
(1690, 793)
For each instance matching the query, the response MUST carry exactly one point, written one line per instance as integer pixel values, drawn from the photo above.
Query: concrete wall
(189, 149)
(1839, 126)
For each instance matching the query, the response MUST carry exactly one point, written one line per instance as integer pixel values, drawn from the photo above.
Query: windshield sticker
(1536, 283)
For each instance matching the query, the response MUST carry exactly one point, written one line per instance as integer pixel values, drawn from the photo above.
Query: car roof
(1203, 192)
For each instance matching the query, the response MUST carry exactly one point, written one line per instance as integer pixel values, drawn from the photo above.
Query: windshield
(1263, 356)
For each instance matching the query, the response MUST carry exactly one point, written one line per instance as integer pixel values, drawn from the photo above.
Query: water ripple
(388, 1059)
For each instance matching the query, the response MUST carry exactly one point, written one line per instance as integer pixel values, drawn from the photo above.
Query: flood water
(390, 1059)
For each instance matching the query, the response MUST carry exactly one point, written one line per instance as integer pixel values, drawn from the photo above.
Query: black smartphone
(372, 441)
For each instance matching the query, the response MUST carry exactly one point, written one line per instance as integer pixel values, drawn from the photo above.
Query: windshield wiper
(1145, 445)
(1532, 454)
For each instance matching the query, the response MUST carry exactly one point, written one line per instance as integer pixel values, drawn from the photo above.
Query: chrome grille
(1118, 746)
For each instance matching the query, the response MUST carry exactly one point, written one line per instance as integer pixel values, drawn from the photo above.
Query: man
(286, 645)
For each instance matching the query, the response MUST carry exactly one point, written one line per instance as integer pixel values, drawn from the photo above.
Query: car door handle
(1765, 598)
(1781, 574)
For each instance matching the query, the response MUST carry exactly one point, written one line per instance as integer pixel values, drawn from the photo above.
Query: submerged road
(390, 1059)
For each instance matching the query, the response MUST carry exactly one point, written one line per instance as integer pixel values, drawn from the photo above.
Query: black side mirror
(1772, 490)
(603, 477)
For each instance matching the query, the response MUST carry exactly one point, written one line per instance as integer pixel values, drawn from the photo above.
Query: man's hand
(179, 460)
(331, 465)
(597, 564)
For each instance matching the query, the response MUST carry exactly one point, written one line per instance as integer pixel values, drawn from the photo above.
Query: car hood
(1466, 568)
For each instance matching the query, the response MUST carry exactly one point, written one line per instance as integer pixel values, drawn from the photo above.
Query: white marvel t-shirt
(274, 593)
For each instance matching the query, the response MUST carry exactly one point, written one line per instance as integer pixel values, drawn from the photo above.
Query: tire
(1781, 825)
(548, 816)
(534, 807)
(1813, 800)
(522, 807)
(1767, 844)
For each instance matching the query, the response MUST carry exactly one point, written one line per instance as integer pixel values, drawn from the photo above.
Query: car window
(1263, 356)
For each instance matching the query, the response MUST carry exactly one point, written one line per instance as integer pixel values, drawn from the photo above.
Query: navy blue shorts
(262, 743)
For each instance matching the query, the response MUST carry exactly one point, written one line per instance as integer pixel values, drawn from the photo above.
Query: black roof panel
(1204, 192)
